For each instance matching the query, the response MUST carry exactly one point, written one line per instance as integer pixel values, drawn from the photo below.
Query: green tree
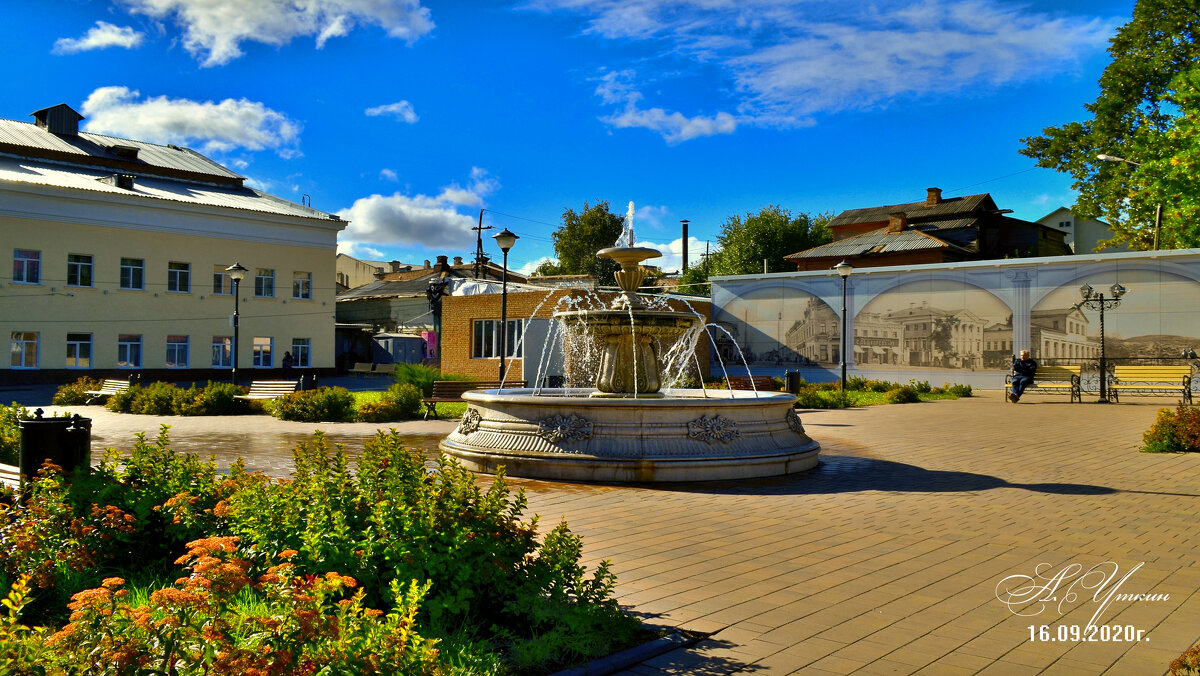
(769, 235)
(579, 238)
(1147, 113)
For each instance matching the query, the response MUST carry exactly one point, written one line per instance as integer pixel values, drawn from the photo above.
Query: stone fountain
(627, 428)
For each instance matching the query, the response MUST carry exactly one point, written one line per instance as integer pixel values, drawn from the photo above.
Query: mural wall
(961, 322)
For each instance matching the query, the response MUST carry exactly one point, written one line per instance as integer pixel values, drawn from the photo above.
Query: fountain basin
(687, 435)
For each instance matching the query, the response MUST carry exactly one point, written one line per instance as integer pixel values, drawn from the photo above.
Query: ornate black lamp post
(237, 273)
(1096, 300)
(505, 240)
(843, 269)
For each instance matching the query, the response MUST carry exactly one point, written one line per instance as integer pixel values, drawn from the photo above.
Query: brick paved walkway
(886, 558)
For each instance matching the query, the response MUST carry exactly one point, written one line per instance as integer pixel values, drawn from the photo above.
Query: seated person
(1023, 370)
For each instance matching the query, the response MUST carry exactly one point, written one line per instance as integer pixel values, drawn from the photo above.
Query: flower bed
(383, 567)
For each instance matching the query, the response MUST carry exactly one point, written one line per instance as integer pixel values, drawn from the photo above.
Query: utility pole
(706, 255)
(481, 258)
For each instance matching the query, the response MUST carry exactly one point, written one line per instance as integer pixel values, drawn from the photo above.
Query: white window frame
(77, 268)
(302, 352)
(129, 346)
(75, 345)
(222, 352)
(176, 349)
(264, 360)
(179, 279)
(301, 285)
(27, 266)
(264, 283)
(139, 268)
(485, 338)
(222, 282)
(22, 343)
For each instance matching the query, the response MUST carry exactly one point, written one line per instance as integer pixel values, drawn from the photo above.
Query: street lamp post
(1096, 300)
(1157, 209)
(505, 240)
(237, 273)
(843, 269)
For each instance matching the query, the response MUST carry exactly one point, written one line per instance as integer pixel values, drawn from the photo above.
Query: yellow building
(118, 255)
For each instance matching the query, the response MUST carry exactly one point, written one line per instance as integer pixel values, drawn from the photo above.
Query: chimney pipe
(933, 197)
(427, 266)
(458, 260)
(395, 266)
(897, 222)
(684, 223)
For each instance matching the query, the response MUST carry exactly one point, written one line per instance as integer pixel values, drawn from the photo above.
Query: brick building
(470, 330)
(937, 230)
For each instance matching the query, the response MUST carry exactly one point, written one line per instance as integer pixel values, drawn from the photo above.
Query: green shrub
(73, 394)
(1176, 431)
(777, 383)
(959, 390)
(10, 432)
(902, 395)
(816, 396)
(154, 399)
(422, 376)
(921, 386)
(122, 402)
(324, 404)
(399, 402)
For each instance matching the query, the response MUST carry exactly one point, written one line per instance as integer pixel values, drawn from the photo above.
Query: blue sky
(408, 118)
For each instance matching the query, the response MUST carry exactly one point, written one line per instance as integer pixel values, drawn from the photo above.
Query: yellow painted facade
(81, 316)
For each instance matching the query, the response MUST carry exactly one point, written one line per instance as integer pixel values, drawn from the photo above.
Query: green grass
(874, 398)
(449, 411)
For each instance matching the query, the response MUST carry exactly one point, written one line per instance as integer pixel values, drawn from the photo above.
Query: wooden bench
(1054, 379)
(10, 476)
(269, 389)
(1152, 380)
(760, 383)
(109, 387)
(363, 368)
(451, 391)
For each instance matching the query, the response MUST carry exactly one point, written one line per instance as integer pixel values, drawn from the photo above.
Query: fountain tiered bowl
(628, 428)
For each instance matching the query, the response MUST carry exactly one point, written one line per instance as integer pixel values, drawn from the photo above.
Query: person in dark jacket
(1023, 371)
(288, 362)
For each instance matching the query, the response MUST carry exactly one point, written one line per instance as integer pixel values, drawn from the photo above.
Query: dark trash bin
(66, 442)
(792, 381)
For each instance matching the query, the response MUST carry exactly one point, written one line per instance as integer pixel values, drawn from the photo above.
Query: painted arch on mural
(778, 325)
(934, 323)
(1157, 318)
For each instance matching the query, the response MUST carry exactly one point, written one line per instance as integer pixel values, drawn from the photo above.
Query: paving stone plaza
(889, 557)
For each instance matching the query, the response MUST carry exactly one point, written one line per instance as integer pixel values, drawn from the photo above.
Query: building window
(24, 349)
(133, 273)
(179, 277)
(300, 351)
(79, 270)
(262, 352)
(264, 283)
(79, 350)
(222, 282)
(302, 285)
(177, 352)
(222, 352)
(27, 266)
(486, 343)
(129, 351)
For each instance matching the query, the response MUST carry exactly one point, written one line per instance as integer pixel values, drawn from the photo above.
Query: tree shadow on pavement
(853, 474)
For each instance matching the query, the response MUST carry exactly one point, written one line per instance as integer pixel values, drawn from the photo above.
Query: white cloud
(672, 254)
(406, 220)
(213, 30)
(617, 87)
(650, 214)
(780, 62)
(528, 268)
(214, 127)
(100, 36)
(401, 110)
(388, 174)
(360, 251)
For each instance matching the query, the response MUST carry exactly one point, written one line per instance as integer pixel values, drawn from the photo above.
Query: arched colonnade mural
(959, 322)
